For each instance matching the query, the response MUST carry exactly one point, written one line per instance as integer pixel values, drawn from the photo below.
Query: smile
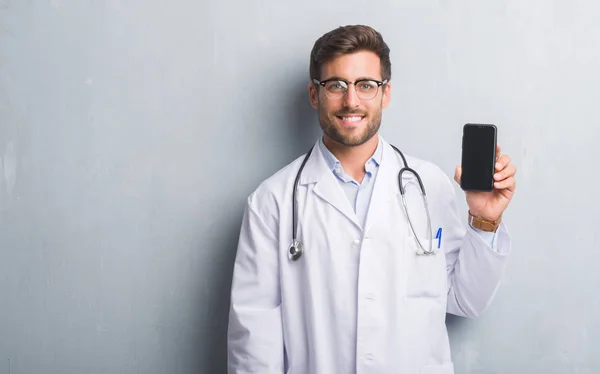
(350, 119)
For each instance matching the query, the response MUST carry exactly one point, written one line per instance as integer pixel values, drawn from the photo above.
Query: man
(357, 298)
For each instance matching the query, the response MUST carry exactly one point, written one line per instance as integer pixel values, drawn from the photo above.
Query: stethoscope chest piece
(296, 250)
(422, 252)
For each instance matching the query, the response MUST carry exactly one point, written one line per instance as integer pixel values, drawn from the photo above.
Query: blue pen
(438, 236)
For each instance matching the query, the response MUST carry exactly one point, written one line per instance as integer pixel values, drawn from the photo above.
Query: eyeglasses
(336, 88)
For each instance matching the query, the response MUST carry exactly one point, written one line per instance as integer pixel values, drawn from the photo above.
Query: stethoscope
(297, 248)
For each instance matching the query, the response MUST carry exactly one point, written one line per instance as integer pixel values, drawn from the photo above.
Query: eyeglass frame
(348, 83)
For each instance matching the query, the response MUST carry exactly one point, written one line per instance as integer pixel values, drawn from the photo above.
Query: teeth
(352, 119)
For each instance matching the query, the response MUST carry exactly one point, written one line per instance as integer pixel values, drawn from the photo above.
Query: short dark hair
(349, 39)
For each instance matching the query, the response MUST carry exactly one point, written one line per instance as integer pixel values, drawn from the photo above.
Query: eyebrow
(358, 79)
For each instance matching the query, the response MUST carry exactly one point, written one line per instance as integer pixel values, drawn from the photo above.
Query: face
(349, 120)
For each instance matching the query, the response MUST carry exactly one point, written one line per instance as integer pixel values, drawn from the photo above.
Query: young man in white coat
(358, 295)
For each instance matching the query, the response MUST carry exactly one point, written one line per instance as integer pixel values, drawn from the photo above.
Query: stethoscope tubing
(297, 248)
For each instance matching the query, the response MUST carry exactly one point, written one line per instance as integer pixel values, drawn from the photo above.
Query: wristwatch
(484, 224)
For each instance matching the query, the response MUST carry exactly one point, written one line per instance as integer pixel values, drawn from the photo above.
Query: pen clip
(438, 236)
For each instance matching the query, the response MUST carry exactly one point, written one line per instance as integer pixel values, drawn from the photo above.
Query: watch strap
(484, 224)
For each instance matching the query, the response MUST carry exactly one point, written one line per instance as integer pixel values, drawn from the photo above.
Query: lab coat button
(369, 357)
(356, 244)
(370, 296)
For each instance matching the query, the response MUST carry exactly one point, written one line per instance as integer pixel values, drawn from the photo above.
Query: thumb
(457, 174)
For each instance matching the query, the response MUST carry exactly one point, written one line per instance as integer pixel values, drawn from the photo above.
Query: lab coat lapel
(386, 187)
(327, 187)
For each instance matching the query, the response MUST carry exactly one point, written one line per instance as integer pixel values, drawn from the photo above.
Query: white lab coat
(358, 301)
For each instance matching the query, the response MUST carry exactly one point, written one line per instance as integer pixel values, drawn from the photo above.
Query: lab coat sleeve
(255, 337)
(473, 267)
(488, 237)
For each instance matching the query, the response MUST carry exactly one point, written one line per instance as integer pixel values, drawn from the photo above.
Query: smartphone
(478, 157)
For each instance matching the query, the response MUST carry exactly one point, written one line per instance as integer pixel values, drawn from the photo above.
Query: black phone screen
(478, 157)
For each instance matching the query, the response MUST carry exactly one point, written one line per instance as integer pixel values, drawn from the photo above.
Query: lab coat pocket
(447, 368)
(426, 274)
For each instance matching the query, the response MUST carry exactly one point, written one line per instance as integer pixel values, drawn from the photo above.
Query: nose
(351, 99)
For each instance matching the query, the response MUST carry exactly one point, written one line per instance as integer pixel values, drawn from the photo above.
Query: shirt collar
(333, 162)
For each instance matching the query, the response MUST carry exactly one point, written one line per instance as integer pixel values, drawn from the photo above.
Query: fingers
(502, 162)
(506, 184)
(504, 171)
(505, 177)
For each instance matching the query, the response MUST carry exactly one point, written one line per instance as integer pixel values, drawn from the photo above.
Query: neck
(353, 159)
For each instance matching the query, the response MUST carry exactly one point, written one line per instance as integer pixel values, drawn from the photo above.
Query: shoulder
(274, 191)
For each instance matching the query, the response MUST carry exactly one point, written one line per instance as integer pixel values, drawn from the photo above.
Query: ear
(387, 92)
(313, 95)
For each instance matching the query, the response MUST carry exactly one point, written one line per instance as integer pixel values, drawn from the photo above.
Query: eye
(336, 86)
(367, 86)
